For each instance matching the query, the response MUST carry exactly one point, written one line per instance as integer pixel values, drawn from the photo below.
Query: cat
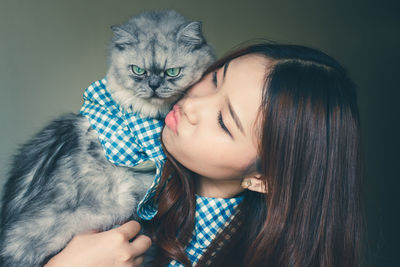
(63, 182)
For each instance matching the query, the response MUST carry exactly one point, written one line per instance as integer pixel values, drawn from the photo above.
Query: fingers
(140, 245)
(129, 229)
(138, 261)
(131, 252)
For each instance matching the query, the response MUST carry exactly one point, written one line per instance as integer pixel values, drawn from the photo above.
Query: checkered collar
(212, 216)
(128, 138)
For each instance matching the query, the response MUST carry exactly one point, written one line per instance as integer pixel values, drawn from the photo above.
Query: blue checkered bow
(128, 138)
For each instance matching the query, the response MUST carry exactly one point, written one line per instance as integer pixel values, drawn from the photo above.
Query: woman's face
(212, 130)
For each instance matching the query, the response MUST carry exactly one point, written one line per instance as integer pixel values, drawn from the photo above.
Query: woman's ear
(254, 183)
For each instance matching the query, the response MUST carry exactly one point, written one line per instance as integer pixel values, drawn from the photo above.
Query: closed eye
(222, 124)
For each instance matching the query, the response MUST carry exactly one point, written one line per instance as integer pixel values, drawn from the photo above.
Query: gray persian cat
(61, 183)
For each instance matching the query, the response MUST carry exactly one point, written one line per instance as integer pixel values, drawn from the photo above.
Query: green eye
(173, 72)
(137, 70)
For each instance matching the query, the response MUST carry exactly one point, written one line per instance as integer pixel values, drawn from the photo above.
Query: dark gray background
(50, 51)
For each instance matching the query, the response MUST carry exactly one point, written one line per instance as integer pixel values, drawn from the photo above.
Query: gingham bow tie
(128, 138)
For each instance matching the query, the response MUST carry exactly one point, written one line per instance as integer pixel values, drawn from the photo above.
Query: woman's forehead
(251, 59)
(245, 80)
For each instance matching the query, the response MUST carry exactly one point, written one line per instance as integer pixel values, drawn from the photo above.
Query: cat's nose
(154, 83)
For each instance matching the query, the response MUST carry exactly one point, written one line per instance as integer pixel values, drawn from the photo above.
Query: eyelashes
(222, 124)
(220, 120)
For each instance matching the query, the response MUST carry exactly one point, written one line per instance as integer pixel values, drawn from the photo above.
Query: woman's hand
(109, 248)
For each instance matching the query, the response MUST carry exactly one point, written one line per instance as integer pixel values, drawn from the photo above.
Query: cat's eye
(137, 70)
(173, 72)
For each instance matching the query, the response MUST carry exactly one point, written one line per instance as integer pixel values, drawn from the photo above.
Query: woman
(278, 120)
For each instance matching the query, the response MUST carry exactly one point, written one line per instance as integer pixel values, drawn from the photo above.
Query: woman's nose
(189, 110)
(193, 107)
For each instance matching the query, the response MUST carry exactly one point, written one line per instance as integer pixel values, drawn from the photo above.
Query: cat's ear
(122, 38)
(191, 34)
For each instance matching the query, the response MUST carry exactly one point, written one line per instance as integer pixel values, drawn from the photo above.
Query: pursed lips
(172, 118)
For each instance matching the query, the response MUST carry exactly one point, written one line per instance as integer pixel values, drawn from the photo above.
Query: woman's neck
(207, 187)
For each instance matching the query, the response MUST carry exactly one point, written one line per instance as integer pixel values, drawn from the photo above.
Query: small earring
(246, 183)
(254, 183)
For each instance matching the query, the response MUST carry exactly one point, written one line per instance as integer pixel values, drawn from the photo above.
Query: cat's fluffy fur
(60, 183)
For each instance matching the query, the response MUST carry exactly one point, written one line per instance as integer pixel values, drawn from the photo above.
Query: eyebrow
(225, 69)
(235, 117)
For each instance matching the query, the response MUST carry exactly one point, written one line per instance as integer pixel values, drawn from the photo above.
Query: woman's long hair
(309, 156)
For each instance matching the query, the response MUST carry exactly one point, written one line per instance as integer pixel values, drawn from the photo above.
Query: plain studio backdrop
(50, 51)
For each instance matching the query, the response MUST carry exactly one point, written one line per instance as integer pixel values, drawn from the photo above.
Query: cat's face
(160, 73)
(155, 66)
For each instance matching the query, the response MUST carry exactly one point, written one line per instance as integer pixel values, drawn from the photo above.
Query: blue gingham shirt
(129, 139)
(212, 216)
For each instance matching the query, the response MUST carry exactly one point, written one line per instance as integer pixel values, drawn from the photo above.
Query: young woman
(263, 169)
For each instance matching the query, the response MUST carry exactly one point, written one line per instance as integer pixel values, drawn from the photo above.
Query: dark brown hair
(309, 157)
